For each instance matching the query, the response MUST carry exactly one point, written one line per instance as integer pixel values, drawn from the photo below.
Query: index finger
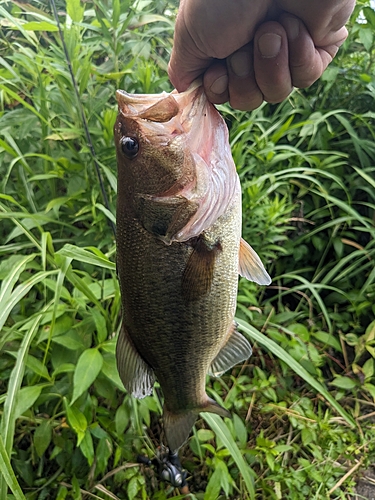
(187, 62)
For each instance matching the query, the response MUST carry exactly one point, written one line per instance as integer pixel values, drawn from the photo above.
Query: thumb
(187, 62)
(184, 69)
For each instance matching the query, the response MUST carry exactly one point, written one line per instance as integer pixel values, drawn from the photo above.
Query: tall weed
(307, 170)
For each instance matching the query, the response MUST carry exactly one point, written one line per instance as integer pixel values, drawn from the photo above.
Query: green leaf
(109, 369)
(328, 339)
(76, 490)
(71, 340)
(19, 292)
(37, 367)
(76, 420)
(26, 397)
(222, 431)
(116, 13)
(214, 486)
(133, 488)
(24, 103)
(74, 10)
(106, 212)
(12, 277)
(366, 37)
(240, 430)
(87, 257)
(100, 324)
(368, 368)
(308, 436)
(42, 437)
(40, 26)
(62, 493)
(64, 135)
(205, 435)
(300, 330)
(87, 447)
(122, 419)
(344, 383)
(8, 474)
(64, 368)
(295, 366)
(103, 452)
(370, 388)
(88, 367)
(8, 420)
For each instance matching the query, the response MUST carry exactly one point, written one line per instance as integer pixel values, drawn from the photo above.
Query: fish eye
(129, 147)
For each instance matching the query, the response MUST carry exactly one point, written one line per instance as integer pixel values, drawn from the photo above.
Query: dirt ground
(365, 488)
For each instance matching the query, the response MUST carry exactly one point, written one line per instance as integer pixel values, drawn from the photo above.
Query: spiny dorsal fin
(234, 351)
(136, 375)
(251, 266)
(198, 275)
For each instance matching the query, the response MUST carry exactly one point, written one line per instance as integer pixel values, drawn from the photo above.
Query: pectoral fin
(251, 266)
(136, 375)
(198, 275)
(234, 351)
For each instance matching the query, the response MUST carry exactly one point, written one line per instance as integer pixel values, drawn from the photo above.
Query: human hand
(249, 51)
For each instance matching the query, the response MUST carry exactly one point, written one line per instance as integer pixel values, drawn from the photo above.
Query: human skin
(249, 51)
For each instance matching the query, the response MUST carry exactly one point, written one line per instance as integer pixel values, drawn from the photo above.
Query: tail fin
(177, 426)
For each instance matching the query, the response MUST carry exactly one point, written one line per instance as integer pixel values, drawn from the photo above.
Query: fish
(179, 252)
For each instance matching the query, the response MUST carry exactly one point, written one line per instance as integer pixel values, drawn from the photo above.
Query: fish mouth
(124, 98)
(163, 107)
(139, 102)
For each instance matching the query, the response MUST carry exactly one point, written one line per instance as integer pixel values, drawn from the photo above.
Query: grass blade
(8, 474)
(9, 414)
(19, 292)
(278, 351)
(221, 430)
(82, 255)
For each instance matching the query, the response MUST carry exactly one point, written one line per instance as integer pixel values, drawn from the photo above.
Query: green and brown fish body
(179, 252)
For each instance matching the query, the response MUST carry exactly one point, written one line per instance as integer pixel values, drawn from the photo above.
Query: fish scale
(177, 330)
(179, 252)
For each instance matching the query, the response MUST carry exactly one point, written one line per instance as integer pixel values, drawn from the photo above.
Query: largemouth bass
(179, 252)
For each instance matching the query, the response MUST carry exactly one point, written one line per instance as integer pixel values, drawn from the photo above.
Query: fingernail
(240, 63)
(269, 44)
(291, 27)
(220, 85)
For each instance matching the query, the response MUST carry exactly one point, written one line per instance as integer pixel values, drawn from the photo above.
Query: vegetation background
(304, 405)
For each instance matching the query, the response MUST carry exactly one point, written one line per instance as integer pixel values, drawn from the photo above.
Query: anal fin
(234, 351)
(136, 375)
(250, 266)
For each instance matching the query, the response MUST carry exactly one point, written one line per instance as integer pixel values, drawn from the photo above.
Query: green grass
(302, 404)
